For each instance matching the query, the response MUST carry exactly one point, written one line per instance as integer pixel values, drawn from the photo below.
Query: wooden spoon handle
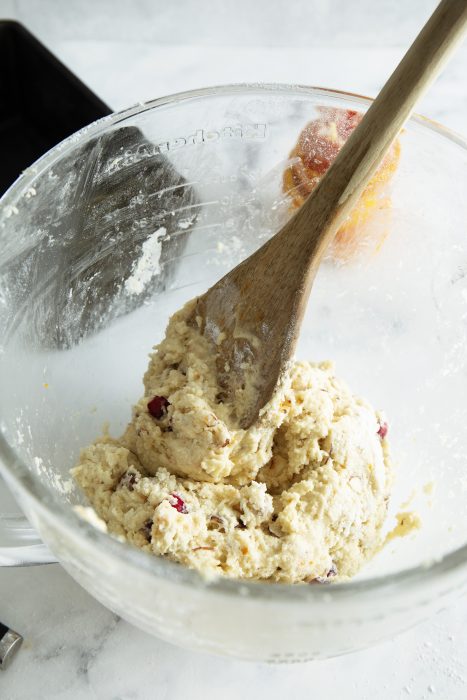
(257, 308)
(317, 221)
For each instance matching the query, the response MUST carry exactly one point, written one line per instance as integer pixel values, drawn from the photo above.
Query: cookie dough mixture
(300, 496)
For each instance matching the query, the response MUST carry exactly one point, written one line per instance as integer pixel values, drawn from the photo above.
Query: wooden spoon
(253, 314)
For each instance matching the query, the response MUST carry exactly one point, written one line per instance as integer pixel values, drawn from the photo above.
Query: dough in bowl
(300, 496)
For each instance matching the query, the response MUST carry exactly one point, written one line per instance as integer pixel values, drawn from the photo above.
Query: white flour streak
(148, 264)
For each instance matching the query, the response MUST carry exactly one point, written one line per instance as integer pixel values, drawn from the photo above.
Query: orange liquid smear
(317, 146)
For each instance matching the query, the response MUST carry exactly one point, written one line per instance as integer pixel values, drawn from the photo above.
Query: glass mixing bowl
(82, 302)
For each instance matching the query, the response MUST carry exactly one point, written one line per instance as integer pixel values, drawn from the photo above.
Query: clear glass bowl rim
(45, 500)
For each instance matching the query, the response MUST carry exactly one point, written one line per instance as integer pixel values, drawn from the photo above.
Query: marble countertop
(74, 647)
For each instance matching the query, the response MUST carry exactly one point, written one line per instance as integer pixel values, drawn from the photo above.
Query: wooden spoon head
(251, 322)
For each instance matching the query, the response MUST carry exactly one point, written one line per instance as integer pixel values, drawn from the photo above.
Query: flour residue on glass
(148, 265)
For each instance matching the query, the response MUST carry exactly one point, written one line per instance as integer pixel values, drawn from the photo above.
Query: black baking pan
(41, 102)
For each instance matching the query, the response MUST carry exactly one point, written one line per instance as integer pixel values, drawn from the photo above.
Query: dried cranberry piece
(383, 430)
(157, 406)
(179, 504)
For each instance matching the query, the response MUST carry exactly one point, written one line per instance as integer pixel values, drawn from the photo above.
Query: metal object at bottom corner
(10, 642)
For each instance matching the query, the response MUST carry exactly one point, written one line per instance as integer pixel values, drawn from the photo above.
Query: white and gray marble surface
(74, 648)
